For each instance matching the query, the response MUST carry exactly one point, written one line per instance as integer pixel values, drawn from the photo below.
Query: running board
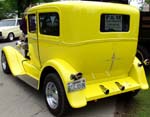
(29, 80)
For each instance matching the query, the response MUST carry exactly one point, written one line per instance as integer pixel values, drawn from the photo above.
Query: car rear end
(101, 46)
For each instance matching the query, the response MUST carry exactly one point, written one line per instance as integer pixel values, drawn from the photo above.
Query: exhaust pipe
(104, 89)
(146, 62)
(121, 87)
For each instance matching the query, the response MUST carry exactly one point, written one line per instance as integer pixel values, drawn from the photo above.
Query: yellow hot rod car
(78, 52)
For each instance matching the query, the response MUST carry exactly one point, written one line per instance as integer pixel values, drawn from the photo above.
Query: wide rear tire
(54, 95)
(130, 94)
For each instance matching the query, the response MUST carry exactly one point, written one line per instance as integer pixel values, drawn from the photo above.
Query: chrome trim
(71, 88)
(52, 96)
(104, 89)
(29, 80)
(3, 62)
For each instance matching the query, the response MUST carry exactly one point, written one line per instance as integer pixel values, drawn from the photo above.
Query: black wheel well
(11, 33)
(142, 53)
(46, 71)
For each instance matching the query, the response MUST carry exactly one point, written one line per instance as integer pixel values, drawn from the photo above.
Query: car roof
(76, 4)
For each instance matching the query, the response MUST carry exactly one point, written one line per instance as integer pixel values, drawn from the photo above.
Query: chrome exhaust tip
(121, 87)
(104, 89)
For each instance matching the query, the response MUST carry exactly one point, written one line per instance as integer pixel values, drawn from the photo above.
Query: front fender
(14, 59)
(5, 34)
(77, 98)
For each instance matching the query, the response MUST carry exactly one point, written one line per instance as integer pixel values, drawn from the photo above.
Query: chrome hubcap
(52, 95)
(3, 61)
(11, 37)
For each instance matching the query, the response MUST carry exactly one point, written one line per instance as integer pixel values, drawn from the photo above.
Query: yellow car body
(82, 45)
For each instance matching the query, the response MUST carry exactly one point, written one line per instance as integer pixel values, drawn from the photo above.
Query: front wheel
(11, 37)
(4, 64)
(54, 95)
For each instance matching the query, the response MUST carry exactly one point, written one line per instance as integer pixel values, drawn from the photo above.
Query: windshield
(7, 23)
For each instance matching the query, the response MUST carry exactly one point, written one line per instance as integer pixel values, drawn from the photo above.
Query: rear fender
(77, 98)
(14, 59)
(138, 73)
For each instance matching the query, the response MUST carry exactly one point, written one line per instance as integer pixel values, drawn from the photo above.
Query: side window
(32, 23)
(19, 22)
(49, 23)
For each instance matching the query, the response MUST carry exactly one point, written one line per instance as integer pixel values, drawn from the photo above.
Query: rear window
(114, 23)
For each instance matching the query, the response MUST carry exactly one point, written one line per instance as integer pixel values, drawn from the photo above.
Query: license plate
(76, 85)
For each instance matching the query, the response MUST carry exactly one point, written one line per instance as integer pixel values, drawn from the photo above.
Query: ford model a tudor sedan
(79, 52)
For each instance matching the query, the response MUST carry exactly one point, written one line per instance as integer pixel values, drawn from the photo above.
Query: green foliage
(8, 8)
(148, 1)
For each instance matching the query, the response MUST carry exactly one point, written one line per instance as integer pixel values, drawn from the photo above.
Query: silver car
(9, 29)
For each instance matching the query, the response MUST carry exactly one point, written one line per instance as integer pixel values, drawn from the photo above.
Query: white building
(137, 3)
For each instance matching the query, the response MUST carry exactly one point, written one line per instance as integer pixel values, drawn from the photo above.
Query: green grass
(139, 106)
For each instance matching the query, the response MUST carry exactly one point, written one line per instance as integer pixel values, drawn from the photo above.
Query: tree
(148, 1)
(9, 8)
(23, 4)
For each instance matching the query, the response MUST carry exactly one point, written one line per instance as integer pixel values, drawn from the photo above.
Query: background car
(9, 29)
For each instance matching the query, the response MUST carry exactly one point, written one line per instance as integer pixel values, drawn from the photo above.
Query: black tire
(58, 106)
(10, 37)
(4, 64)
(130, 94)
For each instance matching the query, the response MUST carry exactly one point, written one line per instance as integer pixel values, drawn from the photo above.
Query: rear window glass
(114, 23)
(32, 23)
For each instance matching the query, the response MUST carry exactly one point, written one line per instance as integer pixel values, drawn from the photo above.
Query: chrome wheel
(4, 62)
(11, 37)
(52, 95)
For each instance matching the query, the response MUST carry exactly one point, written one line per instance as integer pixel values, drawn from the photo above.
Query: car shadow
(100, 108)
(7, 41)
